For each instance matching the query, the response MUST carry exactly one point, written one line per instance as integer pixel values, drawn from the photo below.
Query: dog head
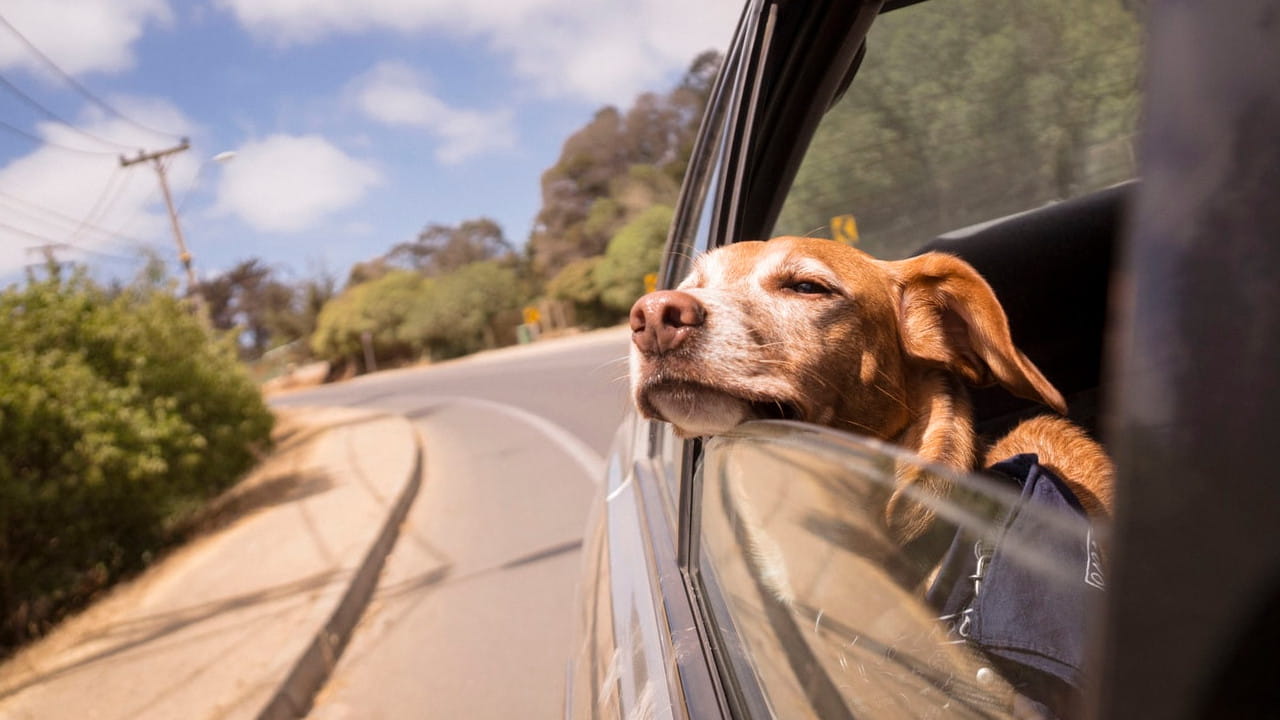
(814, 330)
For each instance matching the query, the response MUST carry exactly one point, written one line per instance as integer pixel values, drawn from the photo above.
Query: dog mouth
(704, 409)
(773, 410)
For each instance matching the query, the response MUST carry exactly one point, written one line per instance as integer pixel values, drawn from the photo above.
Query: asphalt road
(473, 615)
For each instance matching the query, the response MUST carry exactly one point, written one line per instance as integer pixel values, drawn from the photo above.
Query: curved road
(473, 615)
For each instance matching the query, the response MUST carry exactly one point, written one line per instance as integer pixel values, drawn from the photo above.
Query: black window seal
(799, 84)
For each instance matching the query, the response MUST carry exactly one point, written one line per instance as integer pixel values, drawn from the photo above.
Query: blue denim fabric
(1032, 623)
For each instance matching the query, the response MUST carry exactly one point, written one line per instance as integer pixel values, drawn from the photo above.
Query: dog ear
(950, 318)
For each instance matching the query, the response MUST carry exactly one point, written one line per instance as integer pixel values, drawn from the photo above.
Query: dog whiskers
(609, 363)
(885, 391)
(868, 430)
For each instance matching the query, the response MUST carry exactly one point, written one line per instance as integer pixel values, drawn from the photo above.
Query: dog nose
(660, 321)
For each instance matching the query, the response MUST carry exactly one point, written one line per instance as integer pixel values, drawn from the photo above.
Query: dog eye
(806, 287)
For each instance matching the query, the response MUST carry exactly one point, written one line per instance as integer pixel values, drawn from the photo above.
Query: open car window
(978, 129)
(826, 615)
(965, 112)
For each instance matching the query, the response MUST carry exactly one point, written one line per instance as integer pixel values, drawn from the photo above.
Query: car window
(691, 232)
(963, 112)
(691, 235)
(834, 618)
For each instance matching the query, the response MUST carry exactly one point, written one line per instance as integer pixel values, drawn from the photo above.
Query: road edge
(296, 694)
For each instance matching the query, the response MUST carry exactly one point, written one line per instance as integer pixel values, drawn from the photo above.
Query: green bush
(576, 284)
(456, 318)
(119, 414)
(408, 315)
(635, 251)
(378, 307)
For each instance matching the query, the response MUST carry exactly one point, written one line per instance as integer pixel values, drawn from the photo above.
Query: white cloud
(44, 194)
(288, 183)
(78, 35)
(393, 94)
(594, 51)
(302, 21)
(612, 51)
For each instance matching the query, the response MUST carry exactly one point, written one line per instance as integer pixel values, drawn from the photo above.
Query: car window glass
(964, 112)
(692, 231)
(691, 236)
(665, 449)
(833, 617)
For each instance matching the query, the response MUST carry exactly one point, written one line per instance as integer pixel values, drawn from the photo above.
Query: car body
(740, 576)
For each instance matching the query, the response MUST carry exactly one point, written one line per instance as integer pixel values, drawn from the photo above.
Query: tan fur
(1069, 452)
(943, 435)
(951, 318)
(882, 351)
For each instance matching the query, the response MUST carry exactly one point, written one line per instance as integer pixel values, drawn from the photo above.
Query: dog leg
(941, 432)
(1070, 453)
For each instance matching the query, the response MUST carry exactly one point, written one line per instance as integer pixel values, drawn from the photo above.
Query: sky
(353, 123)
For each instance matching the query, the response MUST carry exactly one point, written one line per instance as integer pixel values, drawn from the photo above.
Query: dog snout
(661, 321)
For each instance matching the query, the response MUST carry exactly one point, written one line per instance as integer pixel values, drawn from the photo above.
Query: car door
(679, 618)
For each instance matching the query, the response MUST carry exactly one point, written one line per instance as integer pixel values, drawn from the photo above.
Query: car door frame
(778, 95)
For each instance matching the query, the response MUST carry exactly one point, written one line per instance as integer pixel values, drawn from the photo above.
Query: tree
(635, 251)
(251, 301)
(300, 315)
(408, 315)
(576, 284)
(590, 158)
(440, 249)
(369, 270)
(615, 167)
(1008, 104)
(458, 316)
(377, 307)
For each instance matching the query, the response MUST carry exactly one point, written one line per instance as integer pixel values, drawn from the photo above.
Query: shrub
(576, 284)
(119, 414)
(378, 307)
(635, 251)
(409, 315)
(456, 317)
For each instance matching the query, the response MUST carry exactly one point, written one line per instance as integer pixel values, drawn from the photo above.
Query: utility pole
(183, 254)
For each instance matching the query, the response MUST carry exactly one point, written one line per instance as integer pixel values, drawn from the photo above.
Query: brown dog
(813, 330)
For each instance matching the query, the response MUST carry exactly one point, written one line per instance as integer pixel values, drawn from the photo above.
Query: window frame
(702, 194)
(741, 175)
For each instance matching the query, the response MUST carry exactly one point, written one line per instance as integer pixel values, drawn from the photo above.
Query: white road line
(590, 462)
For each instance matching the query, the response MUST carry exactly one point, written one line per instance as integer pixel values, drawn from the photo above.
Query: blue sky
(354, 123)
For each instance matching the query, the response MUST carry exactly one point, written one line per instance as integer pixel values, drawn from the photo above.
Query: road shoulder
(246, 620)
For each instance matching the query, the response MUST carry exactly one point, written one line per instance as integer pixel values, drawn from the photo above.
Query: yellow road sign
(531, 316)
(650, 282)
(844, 229)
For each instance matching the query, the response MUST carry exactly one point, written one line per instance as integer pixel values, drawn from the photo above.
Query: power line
(78, 86)
(41, 141)
(133, 219)
(25, 233)
(61, 217)
(35, 104)
(115, 199)
(54, 243)
(107, 198)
